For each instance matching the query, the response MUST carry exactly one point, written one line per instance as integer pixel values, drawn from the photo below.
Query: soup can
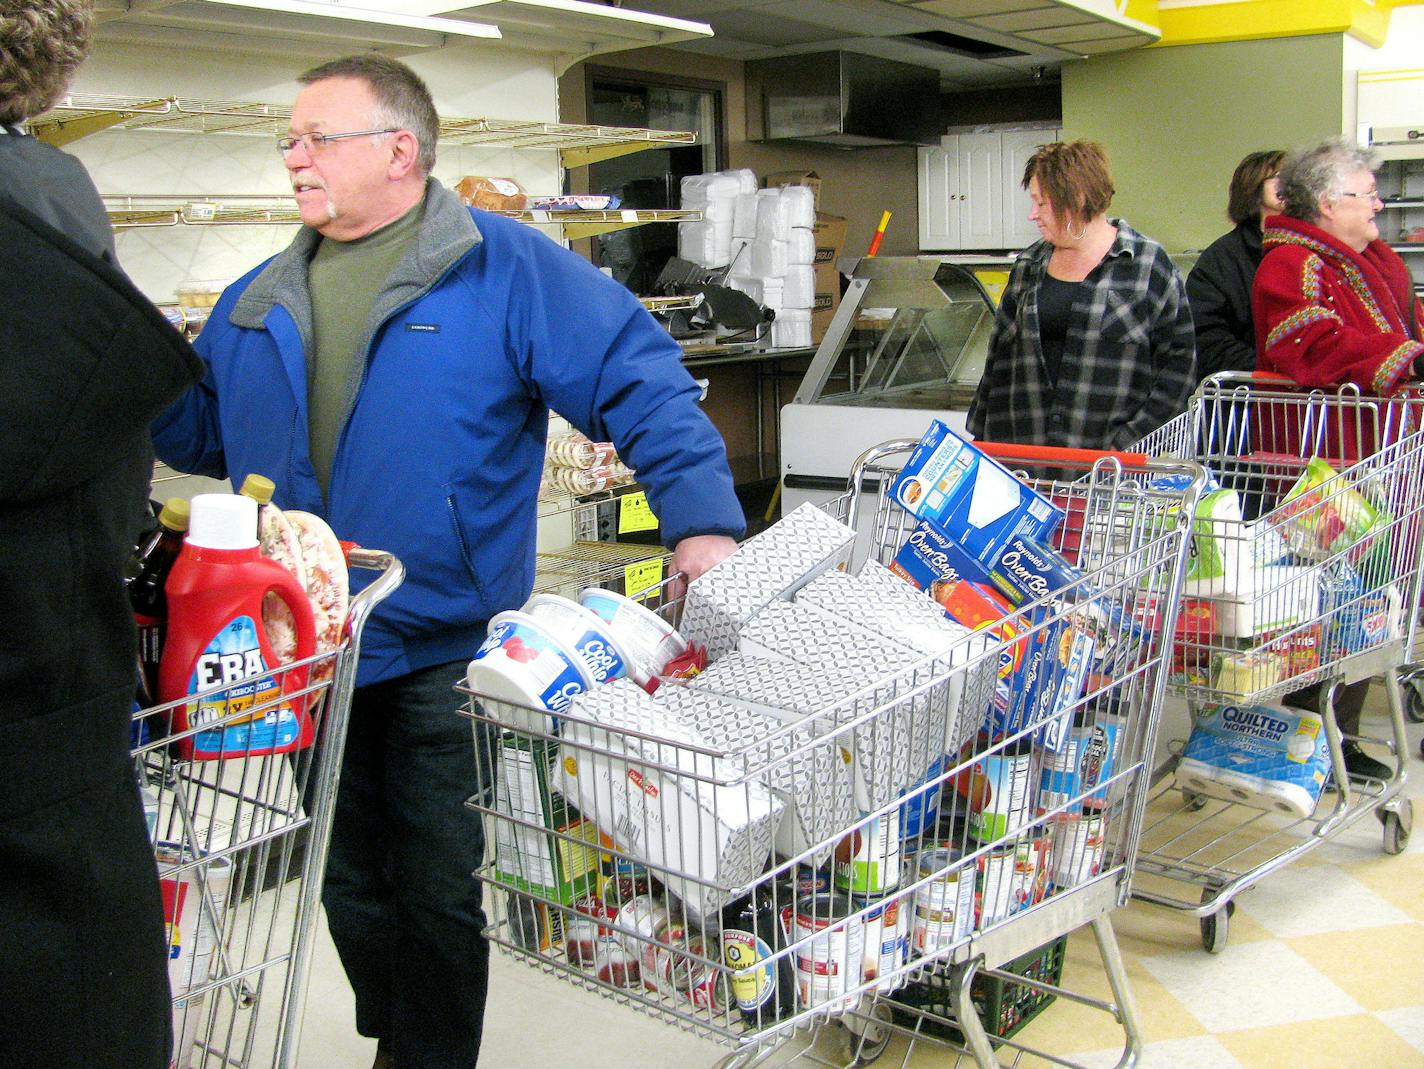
(868, 860)
(944, 907)
(833, 961)
(1012, 878)
(1078, 847)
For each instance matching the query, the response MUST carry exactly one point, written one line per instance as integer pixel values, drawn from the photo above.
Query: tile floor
(1324, 969)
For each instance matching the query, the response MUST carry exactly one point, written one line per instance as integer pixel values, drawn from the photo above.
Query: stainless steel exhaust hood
(847, 99)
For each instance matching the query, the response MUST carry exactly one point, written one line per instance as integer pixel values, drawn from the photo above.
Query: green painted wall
(1176, 121)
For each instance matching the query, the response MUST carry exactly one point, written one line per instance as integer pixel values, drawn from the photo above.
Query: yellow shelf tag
(640, 576)
(634, 514)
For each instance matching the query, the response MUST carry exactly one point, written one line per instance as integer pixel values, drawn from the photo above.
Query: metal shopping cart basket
(853, 813)
(1315, 581)
(241, 847)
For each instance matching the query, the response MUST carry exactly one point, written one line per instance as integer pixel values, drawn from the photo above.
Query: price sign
(634, 514)
(642, 575)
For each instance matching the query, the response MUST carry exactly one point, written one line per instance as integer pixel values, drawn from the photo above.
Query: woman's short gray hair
(42, 43)
(1307, 174)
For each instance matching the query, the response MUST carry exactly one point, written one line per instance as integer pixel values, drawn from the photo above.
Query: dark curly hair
(42, 43)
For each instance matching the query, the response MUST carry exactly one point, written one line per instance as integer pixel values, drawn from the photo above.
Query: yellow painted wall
(1176, 121)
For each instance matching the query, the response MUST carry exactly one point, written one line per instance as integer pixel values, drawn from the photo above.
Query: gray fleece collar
(446, 234)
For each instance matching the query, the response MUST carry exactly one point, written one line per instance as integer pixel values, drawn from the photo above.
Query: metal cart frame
(1257, 432)
(242, 845)
(1130, 538)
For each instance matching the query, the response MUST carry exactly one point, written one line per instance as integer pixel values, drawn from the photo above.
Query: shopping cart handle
(1049, 454)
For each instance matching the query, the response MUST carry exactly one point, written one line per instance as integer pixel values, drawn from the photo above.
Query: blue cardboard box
(971, 496)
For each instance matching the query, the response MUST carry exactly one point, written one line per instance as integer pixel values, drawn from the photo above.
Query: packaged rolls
(1267, 756)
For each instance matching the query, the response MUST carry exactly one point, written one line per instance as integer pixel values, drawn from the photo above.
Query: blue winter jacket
(483, 326)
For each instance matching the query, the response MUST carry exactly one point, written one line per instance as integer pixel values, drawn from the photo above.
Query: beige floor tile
(1381, 968)
(1356, 1042)
(1299, 900)
(1408, 1023)
(1398, 880)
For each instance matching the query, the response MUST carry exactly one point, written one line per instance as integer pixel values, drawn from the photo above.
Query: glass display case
(907, 345)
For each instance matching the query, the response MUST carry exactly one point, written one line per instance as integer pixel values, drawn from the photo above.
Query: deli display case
(906, 345)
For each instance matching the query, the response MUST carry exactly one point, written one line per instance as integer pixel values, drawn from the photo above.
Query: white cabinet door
(981, 199)
(1018, 146)
(939, 197)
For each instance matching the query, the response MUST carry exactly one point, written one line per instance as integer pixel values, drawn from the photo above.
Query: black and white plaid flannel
(1128, 360)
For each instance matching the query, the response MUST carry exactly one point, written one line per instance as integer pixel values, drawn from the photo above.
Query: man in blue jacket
(391, 370)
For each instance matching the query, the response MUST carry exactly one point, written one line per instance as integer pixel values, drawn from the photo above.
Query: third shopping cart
(1304, 580)
(869, 797)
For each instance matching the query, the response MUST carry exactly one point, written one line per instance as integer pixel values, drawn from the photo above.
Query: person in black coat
(1219, 286)
(86, 362)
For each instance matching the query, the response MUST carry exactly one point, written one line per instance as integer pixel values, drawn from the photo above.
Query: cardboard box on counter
(830, 239)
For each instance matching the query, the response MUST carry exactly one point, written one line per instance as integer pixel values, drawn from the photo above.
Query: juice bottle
(149, 571)
(216, 639)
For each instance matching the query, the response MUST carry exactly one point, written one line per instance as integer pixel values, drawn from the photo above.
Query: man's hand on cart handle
(693, 556)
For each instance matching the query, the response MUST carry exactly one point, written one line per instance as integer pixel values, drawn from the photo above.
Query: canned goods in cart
(638, 920)
(833, 961)
(1001, 792)
(612, 963)
(676, 970)
(944, 907)
(1012, 878)
(868, 860)
(1078, 846)
(886, 938)
(1085, 761)
(811, 880)
(586, 928)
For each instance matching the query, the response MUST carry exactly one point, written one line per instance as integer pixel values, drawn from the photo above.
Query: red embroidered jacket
(1326, 314)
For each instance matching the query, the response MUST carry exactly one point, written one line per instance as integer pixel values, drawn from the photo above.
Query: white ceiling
(1046, 33)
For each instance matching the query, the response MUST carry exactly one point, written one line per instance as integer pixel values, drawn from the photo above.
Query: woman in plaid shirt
(1093, 344)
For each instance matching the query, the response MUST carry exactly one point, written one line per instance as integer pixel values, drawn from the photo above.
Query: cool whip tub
(650, 640)
(523, 662)
(591, 638)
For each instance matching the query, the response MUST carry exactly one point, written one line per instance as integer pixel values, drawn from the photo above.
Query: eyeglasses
(315, 142)
(1370, 194)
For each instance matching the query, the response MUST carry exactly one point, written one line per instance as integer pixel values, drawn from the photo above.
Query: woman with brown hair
(1219, 286)
(1092, 344)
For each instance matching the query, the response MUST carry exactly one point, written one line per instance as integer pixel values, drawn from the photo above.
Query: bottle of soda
(148, 573)
(752, 932)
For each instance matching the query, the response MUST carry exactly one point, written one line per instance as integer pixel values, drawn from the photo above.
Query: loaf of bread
(491, 194)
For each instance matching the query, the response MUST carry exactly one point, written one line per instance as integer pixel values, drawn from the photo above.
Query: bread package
(491, 194)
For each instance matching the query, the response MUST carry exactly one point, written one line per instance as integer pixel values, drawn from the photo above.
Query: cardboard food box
(795, 178)
(643, 774)
(769, 567)
(971, 497)
(830, 234)
(538, 862)
(812, 779)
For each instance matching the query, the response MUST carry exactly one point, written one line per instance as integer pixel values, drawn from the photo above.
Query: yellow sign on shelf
(644, 574)
(634, 514)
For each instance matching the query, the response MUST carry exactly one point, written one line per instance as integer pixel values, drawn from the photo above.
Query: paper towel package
(893, 747)
(878, 601)
(970, 496)
(812, 780)
(1271, 599)
(769, 567)
(1267, 756)
(720, 833)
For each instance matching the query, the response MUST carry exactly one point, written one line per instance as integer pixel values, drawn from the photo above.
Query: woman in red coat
(1334, 304)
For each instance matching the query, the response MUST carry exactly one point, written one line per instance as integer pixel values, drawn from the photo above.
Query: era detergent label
(233, 660)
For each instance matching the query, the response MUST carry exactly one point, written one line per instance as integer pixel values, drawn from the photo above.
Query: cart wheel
(1414, 699)
(1194, 801)
(1397, 826)
(1216, 927)
(869, 1045)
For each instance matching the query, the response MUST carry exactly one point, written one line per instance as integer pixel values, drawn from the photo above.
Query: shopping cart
(1341, 609)
(634, 857)
(241, 846)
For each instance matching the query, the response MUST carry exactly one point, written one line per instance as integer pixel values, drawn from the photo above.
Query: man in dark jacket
(87, 363)
(392, 370)
(1219, 286)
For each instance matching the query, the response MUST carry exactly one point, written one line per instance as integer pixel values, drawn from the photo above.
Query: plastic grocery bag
(1322, 514)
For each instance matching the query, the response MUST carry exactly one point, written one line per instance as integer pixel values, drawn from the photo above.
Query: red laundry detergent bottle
(216, 638)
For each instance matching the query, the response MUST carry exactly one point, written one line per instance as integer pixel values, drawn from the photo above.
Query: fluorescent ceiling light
(579, 7)
(366, 14)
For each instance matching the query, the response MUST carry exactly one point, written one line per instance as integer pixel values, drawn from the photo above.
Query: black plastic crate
(1003, 1006)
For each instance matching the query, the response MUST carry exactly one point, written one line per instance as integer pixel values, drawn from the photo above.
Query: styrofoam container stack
(709, 243)
(802, 246)
(791, 329)
(744, 215)
(770, 258)
(800, 291)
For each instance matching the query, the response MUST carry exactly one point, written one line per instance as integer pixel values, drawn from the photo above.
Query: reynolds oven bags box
(812, 779)
(971, 496)
(931, 561)
(769, 567)
(629, 763)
